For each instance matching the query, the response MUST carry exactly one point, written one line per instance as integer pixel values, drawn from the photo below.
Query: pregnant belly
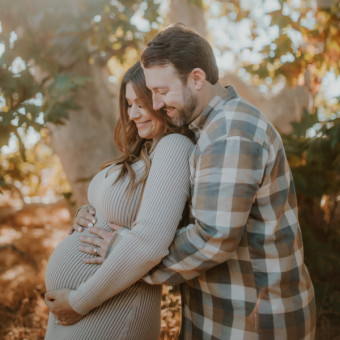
(65, 268)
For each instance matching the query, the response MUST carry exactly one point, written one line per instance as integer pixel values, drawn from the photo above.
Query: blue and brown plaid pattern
(240, 263)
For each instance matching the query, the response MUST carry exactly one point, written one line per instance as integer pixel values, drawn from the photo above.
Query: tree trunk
(86, 139)
(282, 108)
(187, 13)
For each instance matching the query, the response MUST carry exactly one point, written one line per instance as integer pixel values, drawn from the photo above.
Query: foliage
(45, 41)
(315, 160)
(33, 178)
(306, 46)
(315, 164)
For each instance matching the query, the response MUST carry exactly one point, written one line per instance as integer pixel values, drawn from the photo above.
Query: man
(240, 263)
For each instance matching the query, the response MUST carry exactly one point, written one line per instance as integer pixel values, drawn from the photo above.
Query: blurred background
(60, 67)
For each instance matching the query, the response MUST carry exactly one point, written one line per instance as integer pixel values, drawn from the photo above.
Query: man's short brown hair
(185, 49)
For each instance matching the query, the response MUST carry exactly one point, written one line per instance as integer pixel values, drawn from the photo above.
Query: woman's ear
(198, 78)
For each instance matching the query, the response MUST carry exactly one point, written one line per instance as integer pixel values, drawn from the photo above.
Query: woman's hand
(99, 246)
(57, 303)
(85, 218)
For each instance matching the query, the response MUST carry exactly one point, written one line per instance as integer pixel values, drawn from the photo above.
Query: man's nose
(157, 102)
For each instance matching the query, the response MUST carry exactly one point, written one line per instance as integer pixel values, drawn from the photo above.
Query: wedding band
(95, 251)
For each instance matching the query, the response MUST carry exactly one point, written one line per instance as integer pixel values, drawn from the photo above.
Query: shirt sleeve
(228, 175)
(166, 192)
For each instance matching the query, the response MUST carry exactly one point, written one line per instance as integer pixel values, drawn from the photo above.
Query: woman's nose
(134, 112)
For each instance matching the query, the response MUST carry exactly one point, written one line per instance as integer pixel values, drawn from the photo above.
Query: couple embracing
(203, 196)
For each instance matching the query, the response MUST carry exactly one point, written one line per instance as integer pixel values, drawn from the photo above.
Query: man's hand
(98, 246)
(85, 218)
(57, 303)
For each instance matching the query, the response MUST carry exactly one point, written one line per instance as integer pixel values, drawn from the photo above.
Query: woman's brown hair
(129, 143)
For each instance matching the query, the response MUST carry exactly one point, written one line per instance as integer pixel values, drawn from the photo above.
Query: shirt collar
(198, 123)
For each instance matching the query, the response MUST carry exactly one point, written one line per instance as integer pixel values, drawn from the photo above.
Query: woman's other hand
(85, 218)
(99, 246)
(57, 303)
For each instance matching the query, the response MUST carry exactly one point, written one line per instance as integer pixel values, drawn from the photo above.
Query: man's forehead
(158, 75)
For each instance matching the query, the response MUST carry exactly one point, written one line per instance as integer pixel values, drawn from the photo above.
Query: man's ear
(198, 78)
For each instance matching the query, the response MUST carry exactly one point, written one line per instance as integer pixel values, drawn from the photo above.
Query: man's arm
(227, 178)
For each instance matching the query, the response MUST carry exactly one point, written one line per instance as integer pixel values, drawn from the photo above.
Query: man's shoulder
(239, 118)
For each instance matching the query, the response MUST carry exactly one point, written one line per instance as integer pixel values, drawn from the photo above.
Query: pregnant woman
(151, 178)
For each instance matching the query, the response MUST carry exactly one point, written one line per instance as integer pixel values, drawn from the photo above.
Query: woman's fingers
(85, 222)
(85, 218)
(67, 321)
(90, 209)
(114, 226)
(80, 223)
(94, 260)
(97, 245)
(91, 240)
(49, 296)
(49, 299)
(92, 250)
(104, 234)
(75, 227)
(85, 210)
(99, 253)
(48, 303)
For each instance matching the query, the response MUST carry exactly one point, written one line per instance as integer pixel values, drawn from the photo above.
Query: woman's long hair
(131, 146)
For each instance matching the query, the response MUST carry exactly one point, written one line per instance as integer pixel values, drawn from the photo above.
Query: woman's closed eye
(140, 106)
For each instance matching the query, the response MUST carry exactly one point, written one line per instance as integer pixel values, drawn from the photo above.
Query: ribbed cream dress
(115, 304)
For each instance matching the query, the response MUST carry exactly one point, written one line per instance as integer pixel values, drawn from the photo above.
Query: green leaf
(308, 120)
(334, 133)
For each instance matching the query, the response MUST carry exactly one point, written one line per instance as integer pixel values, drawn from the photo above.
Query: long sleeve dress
(115, 303)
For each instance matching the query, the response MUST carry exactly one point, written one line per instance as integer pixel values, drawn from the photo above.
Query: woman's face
(148, 126)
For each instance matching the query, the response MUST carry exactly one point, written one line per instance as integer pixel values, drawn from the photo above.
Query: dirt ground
(27, 238)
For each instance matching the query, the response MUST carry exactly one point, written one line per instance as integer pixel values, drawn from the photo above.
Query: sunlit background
(60, 67)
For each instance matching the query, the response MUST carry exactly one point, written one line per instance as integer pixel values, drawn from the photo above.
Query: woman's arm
(165, 194)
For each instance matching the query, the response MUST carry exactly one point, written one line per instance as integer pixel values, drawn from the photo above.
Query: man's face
(169, 93)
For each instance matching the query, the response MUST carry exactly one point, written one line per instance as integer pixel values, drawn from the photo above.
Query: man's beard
(185, 114)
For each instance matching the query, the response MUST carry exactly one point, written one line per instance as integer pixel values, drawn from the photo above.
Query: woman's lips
(142, 124)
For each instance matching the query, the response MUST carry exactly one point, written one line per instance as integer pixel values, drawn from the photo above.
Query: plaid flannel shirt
(240, 263)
